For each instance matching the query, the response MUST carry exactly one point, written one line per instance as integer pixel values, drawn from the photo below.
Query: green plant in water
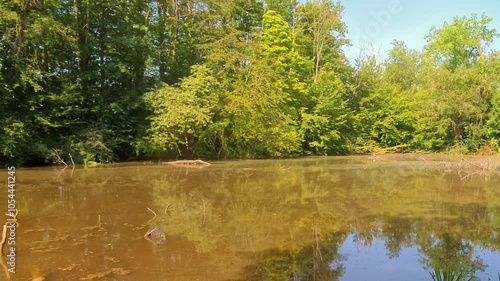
(444, 275)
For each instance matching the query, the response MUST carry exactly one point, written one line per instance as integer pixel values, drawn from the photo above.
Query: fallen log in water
(189, 163)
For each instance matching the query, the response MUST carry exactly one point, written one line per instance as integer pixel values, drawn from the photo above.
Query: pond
(389, 217)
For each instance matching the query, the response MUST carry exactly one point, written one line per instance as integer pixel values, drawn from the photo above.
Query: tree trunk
(20, 30)
(162, 13)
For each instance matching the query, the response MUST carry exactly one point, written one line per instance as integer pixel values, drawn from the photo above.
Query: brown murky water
(394, 217)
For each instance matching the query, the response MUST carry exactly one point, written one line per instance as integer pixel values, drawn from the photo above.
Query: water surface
(391, 217)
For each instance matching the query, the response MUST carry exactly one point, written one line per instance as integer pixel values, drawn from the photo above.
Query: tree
(321, 34)
(328, 128)
(37, 53)
(176, 30)
(493, 123)
(401, 69)
(180, 114)
(456, 92)
(384, 101)
(261, 121)
(463, 42)
(285, 8)
(231, 78)
(74, 72)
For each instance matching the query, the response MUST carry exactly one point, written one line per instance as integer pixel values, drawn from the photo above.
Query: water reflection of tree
(262, 217)
(451, 254)
(319, 261)
(451, 245)
(270, 211)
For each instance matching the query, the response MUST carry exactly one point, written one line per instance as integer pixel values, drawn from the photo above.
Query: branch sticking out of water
(4, 268)
(149, 232)
(4, 231)
(4, 237)
(153, 214)
(166, 209)
(58, 158)
(483, 168)
(70, 157)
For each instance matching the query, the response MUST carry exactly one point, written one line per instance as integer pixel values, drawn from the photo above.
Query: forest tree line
(111, 80)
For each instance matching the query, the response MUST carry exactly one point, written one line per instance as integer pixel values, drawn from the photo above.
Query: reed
(444, 275)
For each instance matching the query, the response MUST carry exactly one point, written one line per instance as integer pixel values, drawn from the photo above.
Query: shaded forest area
(114, 80)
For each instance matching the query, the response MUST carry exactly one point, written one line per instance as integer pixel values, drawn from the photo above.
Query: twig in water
(283, 168)
(474, 164)
(153, 214)
(72, 162)
(4, 236)
(14, 219)
(147, 238)
(59, 159)
(99, 221)
(468, 175)
(166, 209)
(4, 268)
(15, 216)
(149, 232)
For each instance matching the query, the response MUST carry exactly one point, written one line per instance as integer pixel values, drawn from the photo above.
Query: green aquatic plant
(445, 275)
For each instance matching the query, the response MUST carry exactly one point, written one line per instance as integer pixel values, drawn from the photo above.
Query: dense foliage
(116, 80)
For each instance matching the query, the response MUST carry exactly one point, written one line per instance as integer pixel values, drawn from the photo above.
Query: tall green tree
(463, 42)
(455, 89)
(383, 102)
(35, 65)
(401, 69)
(320, 35)
(285, 8)
(493, 123)
(261, 121)
(328, 128)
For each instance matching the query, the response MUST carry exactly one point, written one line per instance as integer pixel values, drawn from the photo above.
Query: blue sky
(374, 24)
